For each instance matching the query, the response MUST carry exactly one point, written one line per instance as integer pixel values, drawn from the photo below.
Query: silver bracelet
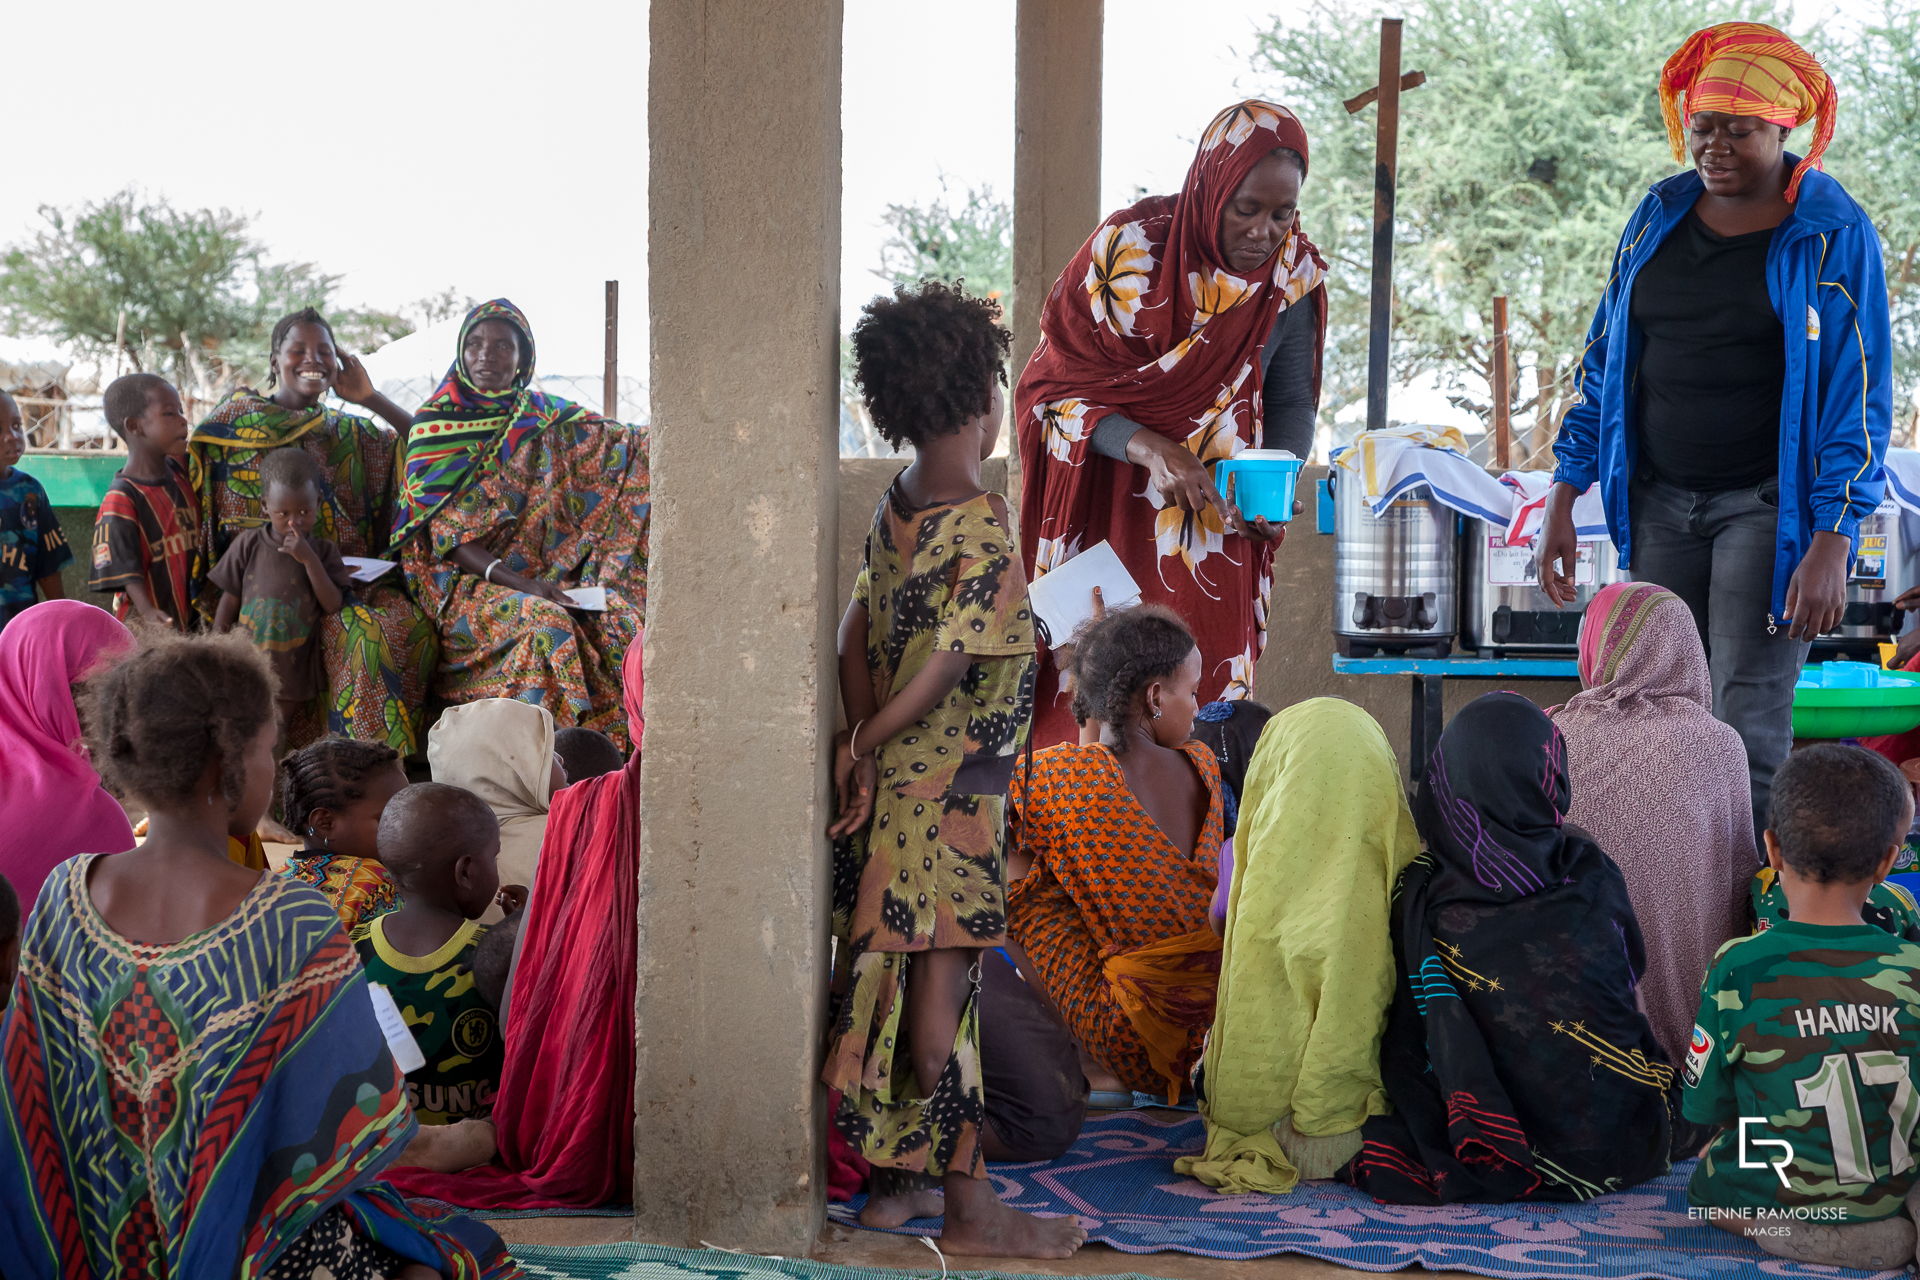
(488, 575)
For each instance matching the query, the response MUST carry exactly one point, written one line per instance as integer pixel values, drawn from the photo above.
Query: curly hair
(155, 720)
(284, 326)
(926, 360)
(1836, 810)
(330, 774)
(1117, 656)
(290, 467)
(128, 396)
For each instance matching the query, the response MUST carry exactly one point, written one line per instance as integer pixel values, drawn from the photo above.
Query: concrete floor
(849, 1248)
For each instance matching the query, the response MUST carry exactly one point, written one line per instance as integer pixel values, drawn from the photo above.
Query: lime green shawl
(1292, 1066)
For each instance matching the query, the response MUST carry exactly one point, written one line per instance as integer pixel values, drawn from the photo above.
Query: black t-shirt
(1712, 360)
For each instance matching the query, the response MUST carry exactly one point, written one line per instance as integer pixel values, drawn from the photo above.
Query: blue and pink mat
(1118, 1180)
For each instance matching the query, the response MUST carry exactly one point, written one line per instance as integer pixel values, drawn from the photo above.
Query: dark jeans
(1716, 551)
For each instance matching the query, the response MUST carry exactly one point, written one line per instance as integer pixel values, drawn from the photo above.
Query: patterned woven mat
(1119, 1181)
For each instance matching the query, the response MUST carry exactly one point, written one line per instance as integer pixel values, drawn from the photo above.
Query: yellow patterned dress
(929, 870)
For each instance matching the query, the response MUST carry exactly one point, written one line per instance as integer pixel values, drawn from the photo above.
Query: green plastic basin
(1893, 707)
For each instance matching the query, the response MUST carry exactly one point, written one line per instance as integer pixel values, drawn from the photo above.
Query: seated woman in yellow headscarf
(1292, 1067)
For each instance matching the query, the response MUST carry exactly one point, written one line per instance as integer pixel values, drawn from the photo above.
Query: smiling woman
(1188, 329)
(1736, 391)
(378, 649)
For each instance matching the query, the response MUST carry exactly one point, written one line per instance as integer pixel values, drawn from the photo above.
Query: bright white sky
(500, 149)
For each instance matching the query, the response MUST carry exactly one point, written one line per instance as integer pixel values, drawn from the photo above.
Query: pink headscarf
(53, 806)
(1662, 786)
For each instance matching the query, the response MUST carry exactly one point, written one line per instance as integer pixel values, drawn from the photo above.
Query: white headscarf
(501, 749)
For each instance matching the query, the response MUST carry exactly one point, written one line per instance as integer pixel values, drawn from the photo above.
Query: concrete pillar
(1056, 153)
(744, 260)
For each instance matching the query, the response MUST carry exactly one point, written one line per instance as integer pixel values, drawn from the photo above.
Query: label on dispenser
(1870, 564)
(1515, 567)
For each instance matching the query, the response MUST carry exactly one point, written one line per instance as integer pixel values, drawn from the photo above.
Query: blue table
(1429, 699)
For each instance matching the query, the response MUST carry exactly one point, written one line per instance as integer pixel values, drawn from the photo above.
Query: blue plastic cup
(1260, 482)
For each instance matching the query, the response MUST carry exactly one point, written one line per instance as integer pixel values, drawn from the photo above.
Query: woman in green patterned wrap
(380, 649)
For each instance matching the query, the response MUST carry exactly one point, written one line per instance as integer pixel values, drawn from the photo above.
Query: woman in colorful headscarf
(379, 649)
(1292, 1067)
(1662, 786)
(1187, 329)
(1736, 392)
(511, 498)
(1516, 1057)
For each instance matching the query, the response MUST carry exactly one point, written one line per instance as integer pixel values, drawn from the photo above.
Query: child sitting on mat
(333, 794)
(439, 843)
(1807, 1034)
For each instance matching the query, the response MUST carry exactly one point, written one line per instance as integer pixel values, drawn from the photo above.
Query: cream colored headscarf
(501, 749)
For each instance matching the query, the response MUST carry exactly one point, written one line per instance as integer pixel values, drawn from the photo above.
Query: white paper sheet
(593, 599)
(393, 1025)
(366, 568)
(1063, 597)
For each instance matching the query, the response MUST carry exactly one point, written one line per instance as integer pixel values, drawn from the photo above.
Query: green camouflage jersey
(1807, 1036)
(1888, 907)
(455, 1026)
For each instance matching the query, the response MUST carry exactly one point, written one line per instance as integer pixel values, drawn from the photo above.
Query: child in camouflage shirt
(1805, 1045)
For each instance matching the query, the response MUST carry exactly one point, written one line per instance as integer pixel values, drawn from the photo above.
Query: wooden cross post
(1386, 172)
(1502, 386)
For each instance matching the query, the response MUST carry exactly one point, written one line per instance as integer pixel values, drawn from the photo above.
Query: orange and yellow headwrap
(1749, 69)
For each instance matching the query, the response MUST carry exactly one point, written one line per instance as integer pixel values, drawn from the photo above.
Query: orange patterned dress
(1107, 885)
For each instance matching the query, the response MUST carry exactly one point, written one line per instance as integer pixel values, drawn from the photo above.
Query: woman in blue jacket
(1736, 391)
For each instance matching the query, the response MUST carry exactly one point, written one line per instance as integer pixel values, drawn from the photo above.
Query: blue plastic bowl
(1260, 482)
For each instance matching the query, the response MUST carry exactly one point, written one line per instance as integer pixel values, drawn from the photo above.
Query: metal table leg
(1428, 719)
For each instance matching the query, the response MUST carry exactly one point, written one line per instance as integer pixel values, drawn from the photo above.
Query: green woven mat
(655, 1262)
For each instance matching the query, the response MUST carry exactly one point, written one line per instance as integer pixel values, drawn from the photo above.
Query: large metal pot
(1504, 608)
(1395, 575)
(1884, 566)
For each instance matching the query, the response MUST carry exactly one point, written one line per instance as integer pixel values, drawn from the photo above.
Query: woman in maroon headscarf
(1187, 328)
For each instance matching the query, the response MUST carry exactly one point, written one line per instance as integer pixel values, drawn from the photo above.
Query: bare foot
(992, 1230)
(1099, 1079)
(888, 1212)
(449, 1148)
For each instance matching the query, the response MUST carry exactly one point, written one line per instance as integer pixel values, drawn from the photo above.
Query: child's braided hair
(154, 720)
(1117, 656)
(330, 774)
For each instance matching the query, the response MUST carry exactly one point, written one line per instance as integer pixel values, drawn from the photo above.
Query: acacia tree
(969, 238)
(1537, 132)
(1878, 71)
(187, 293)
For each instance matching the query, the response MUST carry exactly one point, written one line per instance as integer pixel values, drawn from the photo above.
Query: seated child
(586, 753)
(439, 843)
(332, 794)
(9, 939)
(1807, 1034)
(277, 579)
(240, 1101)
(146, 539)
(32, 548)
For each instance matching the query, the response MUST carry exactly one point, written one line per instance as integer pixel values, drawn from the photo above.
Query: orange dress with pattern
(1106, 882)
(360, 889)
